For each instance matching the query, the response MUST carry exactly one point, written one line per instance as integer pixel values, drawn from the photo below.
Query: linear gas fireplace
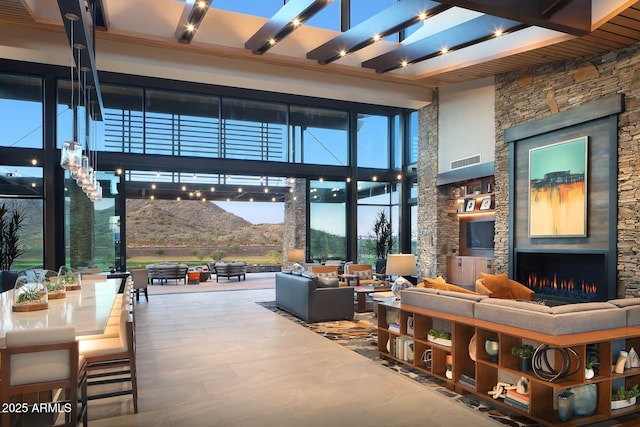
(566, 276)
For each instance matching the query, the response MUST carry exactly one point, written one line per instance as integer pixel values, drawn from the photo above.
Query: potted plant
(588, 369)
(439, 336)
(621, 397)
(10, 250)
(29, 294)
(383, 240)
(524, 353)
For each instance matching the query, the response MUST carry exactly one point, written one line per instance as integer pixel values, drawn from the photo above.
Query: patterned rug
(360, 335)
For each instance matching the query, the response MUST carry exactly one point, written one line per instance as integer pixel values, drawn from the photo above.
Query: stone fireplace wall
(523, 97)
(540, 92)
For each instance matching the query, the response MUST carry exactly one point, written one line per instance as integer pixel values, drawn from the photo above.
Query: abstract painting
(558, 189)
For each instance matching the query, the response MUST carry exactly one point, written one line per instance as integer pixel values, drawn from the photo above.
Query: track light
(192, 15)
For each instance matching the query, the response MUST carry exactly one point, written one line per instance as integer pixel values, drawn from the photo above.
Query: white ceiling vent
(468, 161)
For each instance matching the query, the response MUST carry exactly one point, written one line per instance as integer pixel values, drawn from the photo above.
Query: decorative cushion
(437, 283)
(454, 288)
(364, 274)
(498, 284)
(327, 282)
(330, 274)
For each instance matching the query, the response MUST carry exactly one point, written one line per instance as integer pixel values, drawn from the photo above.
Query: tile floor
(219, 359)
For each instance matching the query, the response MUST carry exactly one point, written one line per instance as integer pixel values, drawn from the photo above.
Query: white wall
(466, 122)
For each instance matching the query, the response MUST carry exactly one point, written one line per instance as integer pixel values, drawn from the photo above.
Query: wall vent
(468, 161)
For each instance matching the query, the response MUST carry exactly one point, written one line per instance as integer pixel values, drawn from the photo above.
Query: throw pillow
(327, 282)
(460, 289)
(331, 274)
(437, 283)
(498, 284)
(364, 274)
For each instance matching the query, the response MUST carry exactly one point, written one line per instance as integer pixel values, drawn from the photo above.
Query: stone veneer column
(428, 200)
(539, 92)
(295, 219)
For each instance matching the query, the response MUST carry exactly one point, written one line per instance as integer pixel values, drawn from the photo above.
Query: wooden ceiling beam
(567, 16)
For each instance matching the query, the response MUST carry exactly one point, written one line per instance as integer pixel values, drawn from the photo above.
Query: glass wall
(21, 191)
(21, 106)
(373, 141)
(327, 220)
(92, 230)
(373, 198)
(253, 130)
(318, 136)
(413, 138)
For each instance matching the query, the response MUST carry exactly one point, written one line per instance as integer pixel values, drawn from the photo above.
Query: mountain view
(178, 228)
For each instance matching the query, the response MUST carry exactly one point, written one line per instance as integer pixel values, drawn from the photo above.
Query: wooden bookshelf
(486, 373)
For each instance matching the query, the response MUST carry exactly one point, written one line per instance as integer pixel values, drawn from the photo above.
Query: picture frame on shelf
(486, 204)
(470, 205)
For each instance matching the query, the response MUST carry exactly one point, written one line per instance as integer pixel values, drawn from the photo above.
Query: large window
(21, 191)
(373, 141)
(181, 124)
(253, 130)
(373, 198)
(92, 230)
(21, 106)
(327, 220)
(318, 136)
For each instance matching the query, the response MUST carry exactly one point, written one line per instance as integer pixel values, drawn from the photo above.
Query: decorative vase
(491, 345)
(524, 364)
(585, 399)
(565, 405)
(589, 373)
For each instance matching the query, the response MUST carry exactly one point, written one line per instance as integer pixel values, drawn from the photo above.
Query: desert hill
(193, 223)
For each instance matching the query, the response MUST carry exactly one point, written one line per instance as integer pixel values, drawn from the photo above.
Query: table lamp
(401, 265)
(295, 256)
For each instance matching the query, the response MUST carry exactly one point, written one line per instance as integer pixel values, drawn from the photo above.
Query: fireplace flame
(561, 286)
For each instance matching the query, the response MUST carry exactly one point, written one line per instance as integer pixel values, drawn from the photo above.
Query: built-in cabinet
(465, 270)
(473, 371)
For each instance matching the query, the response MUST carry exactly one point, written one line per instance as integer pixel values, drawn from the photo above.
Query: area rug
(360, 335)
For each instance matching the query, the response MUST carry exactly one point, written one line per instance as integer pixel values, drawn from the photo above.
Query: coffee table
(363, 291)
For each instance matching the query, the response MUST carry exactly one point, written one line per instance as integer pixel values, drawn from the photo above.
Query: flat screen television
(480, 234)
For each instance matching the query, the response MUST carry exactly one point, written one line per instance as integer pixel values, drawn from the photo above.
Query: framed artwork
(470, 205)
(558, 189)
(486, 204)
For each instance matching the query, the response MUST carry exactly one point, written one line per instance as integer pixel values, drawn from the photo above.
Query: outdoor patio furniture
(167, 271)
(228, 270)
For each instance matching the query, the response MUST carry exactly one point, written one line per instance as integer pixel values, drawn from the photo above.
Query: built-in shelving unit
(473, 371)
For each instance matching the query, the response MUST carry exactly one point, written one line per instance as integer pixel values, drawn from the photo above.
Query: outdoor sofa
(165, 271)
(229, 270)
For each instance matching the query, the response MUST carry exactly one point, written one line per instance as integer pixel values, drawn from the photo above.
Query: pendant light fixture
(71, 157)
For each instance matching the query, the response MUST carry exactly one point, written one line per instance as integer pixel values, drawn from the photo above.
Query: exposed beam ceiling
(192, 15)
(293, 14)
(140, 38)
(390, 21)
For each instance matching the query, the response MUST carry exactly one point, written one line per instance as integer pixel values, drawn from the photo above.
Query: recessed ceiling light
(34, 162)
(376, 37)
(190, 27)
(272, 41)
(202, 4)
(404, 63)
(178, 198)
(343, 52)
(296, 22)
(348, 179)
(422, 16)
(240, 190)
(184, 188)
(153, 186)
(444, 50)
(266, 190)
(273, 199)
(213, 189)
(152, 197)
(498, 33)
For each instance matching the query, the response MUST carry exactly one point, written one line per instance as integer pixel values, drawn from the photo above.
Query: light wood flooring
(219, 359)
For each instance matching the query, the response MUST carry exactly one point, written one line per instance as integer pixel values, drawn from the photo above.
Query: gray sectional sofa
(302, 297)
(554, 320)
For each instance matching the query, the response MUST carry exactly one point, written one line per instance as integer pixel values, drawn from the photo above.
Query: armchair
(363, 271)
(500, 286)
(326, 271)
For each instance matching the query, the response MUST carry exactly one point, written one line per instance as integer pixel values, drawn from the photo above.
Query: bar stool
(44, 360)
(103, 354)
